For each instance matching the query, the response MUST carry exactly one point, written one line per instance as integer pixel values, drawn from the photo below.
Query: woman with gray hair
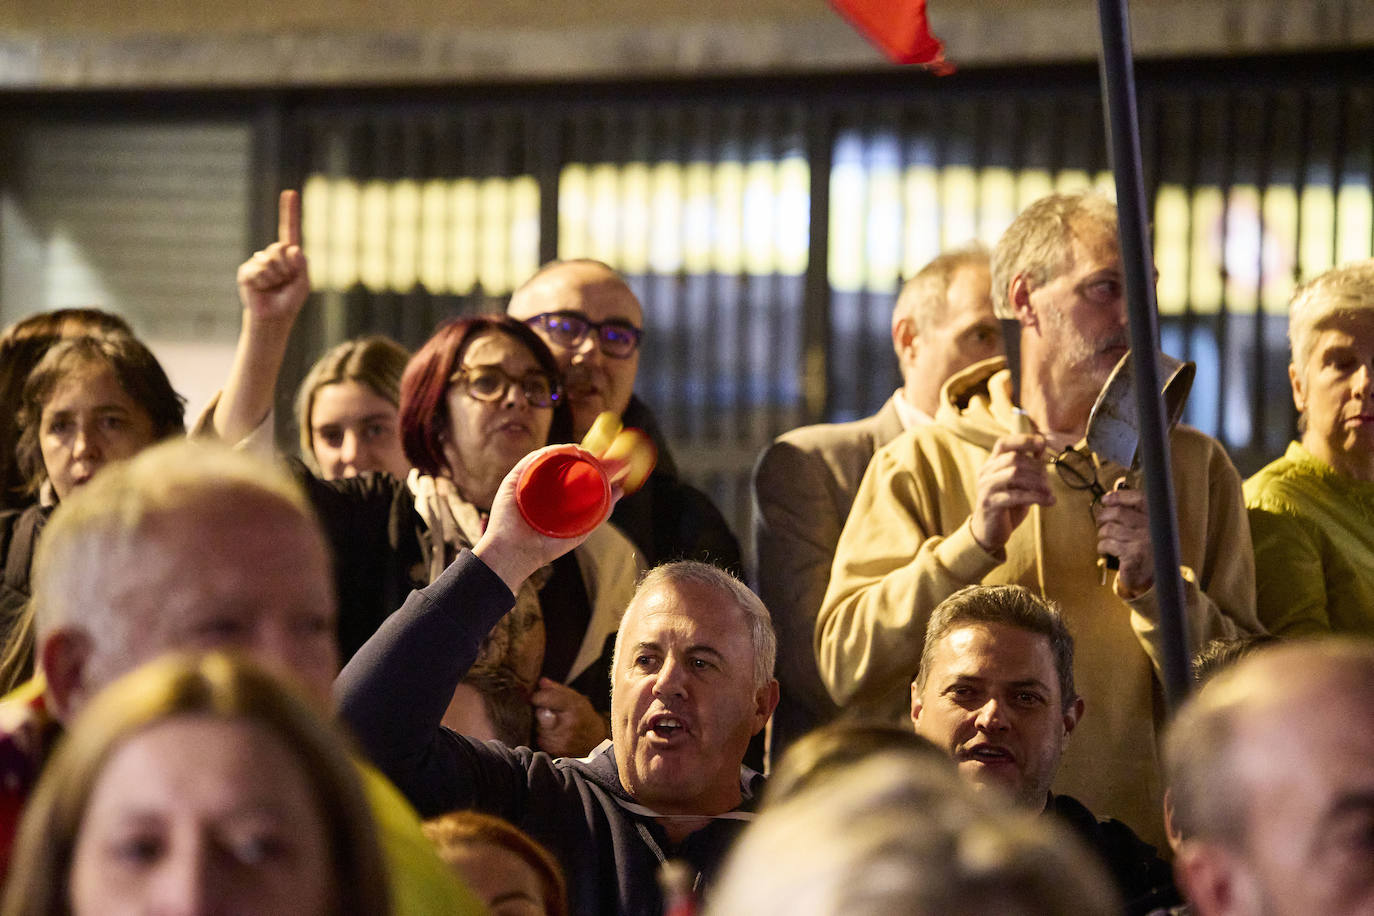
(1312, 510)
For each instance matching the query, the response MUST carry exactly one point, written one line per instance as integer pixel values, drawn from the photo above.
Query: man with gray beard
(995, 492)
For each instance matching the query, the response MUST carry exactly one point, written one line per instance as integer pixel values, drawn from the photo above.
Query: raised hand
(512, 548)
(1013, 479)
(275, 282)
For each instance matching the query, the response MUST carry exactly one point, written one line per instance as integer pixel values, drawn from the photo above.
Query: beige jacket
(907, 546)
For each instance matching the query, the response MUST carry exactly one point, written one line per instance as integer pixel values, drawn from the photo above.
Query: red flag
(899, 28)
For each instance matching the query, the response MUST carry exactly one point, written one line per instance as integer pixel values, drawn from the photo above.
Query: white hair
(763, 641)
(1345, 289)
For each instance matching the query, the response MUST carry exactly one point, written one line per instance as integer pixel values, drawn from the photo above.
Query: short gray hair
(1039, 242)
(1345, 289)
(1009, 605)
(98, 527)
(763, 641)
(925, 296)
(1201, 748)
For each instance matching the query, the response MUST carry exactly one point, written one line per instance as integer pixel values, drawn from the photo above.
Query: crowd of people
(357, 679)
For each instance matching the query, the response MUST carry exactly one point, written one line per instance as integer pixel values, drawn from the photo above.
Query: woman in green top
(1312, 511)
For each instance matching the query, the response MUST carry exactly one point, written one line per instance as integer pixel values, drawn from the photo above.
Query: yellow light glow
(434, 227)
(884, 220)
(1171, 249)
(921, 229)
(996, 203)
(1281, 233)
(697, 218)
(635, 195)
(958, 205)
(524, 229)
(1317, 216)
(603, 213)
(665, 229)
(342, 261)
(405, 236)
(1031, 185)
(573, 209)
(848, 196)
(1354, 223)
(794, 215)
(728, 202)
(315, 222)
(493, 265)
(759, 213)
(1209, 209)
(463, 230)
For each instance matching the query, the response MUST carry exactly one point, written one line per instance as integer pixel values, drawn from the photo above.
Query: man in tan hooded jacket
(972, 499)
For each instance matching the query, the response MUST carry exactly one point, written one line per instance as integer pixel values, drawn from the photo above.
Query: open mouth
(666, 727)
(989, 753)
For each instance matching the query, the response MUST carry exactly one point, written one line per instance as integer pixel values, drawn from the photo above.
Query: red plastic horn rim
(564, 494)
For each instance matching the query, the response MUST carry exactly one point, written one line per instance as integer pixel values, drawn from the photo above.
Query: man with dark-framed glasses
(593, 323)
(972, 499)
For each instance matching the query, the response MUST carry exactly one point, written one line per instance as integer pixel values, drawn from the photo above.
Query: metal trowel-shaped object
(1113, 429)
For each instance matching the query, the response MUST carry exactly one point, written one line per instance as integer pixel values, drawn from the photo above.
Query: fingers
(552, 696)
(1015, 477)
(289, 219)
(1029, 444)
(272, 267)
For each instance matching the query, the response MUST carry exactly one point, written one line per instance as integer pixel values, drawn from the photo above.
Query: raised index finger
(289, 218)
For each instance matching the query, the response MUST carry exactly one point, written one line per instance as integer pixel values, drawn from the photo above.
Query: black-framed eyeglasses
(616, 338)
(492, 383)
(1078, 472)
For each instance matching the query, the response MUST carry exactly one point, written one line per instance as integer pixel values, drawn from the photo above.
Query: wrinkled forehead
(687, 613)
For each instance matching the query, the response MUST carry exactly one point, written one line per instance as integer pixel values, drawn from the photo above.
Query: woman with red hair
(478, 396)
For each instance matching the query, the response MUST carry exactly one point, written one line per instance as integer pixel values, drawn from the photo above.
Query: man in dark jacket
(995, 689)
(593, 322)
(691, 684)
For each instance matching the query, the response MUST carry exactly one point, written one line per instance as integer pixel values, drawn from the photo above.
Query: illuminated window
(448, 236)
(724, 217)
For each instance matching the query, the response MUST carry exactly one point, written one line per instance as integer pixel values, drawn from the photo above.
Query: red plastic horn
(563, 494)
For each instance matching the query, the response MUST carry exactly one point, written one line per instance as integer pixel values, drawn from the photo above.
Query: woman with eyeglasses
(477, 397)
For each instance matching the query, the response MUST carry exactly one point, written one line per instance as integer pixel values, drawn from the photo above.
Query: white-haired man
(691, 685)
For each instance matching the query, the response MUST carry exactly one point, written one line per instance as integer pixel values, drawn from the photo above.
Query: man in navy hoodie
(691, 685)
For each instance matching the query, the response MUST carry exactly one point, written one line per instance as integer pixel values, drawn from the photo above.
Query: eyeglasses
(491, 383)
(617, 339)
(1078, 472)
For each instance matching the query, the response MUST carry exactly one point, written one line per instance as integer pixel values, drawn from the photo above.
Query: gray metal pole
(1118, 91)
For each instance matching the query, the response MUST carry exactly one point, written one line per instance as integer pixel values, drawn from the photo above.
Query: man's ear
(1213, 879)
(1073, 714)
(904, 340)
(1018, 296)
(64, 657)
(765, 700)
(916, 705)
